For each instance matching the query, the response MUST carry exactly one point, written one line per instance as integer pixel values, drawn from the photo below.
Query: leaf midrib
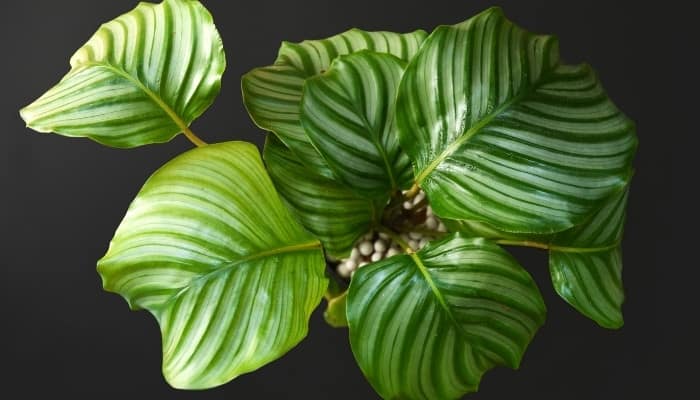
(153, 96)
(473, 130)
(438, 295)
(374, 136)
(301, 247)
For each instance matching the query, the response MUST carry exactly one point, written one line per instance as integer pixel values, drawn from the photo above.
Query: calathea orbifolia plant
(406, 159)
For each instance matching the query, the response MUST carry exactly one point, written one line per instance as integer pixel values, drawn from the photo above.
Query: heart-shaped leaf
(500, 132)
(210, 250)
(326, 208)
(142, 78)
(428, 325)
(586, 264)
(272, 95)
(348, 114)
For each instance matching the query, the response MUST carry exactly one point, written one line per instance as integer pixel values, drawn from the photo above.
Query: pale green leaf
(272, 94)
(586, 264)
(348, 114)
(326, 208)
(142, 78)
(210, 250)
(501, 132)
(429, 324)
(335, 314)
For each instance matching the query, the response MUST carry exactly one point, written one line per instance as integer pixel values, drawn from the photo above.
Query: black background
(61, 200)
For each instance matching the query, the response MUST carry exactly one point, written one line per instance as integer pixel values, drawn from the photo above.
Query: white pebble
(407, 205)
(392, 252)
(362, 264)
(365, 248)
(431, 223)
(351, 264)
(413, 244)
(441, 227)
(368, 236)
(404, 237)
(419, 197)
(429, 211)
(415, 235)
(376, 257)
(344, 271)
(380, 246)
(422, 243)
(354, 254)
(384, 236)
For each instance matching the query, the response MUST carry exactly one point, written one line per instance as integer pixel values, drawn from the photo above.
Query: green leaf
(272, 95)
(500, 132)
(335, 314)
(429, 324)
(142, 78)
(348, 114)
(586, 264)
(326, 208)
(210, 250)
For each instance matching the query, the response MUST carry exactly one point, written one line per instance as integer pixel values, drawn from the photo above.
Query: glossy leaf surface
(348, 114)
(210, 250)
(273, 94)
(501, 132)
(142, 78)
(586, 264)
(326, 208)
(428, 325)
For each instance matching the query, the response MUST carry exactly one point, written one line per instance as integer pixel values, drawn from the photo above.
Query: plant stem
(524, 243)
(192, 137)
(395, 237)
(412, 192)
(565, 249)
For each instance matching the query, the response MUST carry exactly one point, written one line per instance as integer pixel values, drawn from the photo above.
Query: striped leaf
(348, 114)
(500, 132)
(429, 324)
(327, 209)
(272, 95)
(210, 250)
(142, 78)
(586, 264)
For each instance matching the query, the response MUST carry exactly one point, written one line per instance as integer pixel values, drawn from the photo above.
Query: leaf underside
(141, 78)
(210, 250)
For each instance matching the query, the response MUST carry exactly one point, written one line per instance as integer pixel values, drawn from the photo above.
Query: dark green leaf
(210, 250)
(140, 79)
(586, 264)
(428, 325)
(500, 132)
(326, 208)
(273, 94)
(348, 114)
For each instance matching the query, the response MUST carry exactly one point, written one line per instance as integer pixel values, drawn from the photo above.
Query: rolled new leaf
(210, 250)
(348, 114)
(500, 132)
(428, 325)
(326, 208)
(272, 95)
(142, 78)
